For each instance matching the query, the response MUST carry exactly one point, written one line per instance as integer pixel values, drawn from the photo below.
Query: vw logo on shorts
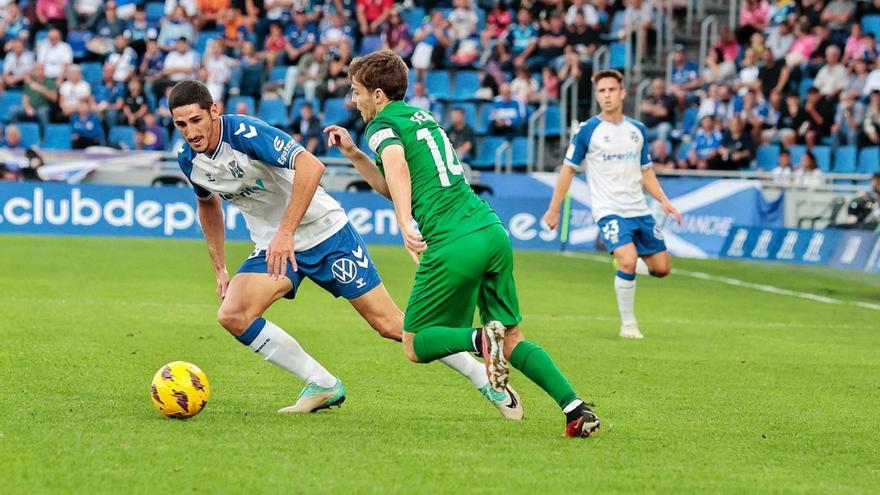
(344, 270)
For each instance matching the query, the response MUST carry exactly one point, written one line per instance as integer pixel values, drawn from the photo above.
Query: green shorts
(475, 270)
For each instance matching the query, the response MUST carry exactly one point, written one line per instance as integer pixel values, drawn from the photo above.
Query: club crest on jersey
(635, 136)
(235, 169)
(344, 270)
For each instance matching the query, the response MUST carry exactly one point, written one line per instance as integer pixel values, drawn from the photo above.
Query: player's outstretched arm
(211, 218)
(400, 188)
(339, 137)
(563, 183)
(652, 186)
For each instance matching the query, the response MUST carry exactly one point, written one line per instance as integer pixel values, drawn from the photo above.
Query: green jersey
(443, 203)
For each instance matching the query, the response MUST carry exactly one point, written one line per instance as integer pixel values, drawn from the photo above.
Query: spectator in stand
(591, 17)
(180, 64)
(209, 14)
(858, 78)
(808, 174)
(273, 12)
(302, 36)
(855, 44)
(462, 136)
(397, 36)
(661, 156)
(83, 14)
(524, 87)
(151, 66)
(603, 11)
(13, 25)
(871, 127)
(337, 83)
(737, 148)
(11, 137)
(832, 77)
(312, 70)
(685, 75)
(639, 16)
(85, 127)
(18, 63)
(754, 113)
(823, 42)
(847, 120)
(838, 15)
(508, 115)
(40, 96)
(236, 29)
(135, 106)
(109, 97)
(727, 44)
(109, 25)
(497, 21)
(752, 19)
(820, 115)
(338, 38)
(783, 173)
(154, 134)
(55, 55)
(174, 28)
(718, 70)
(139, 31)
(372, 14)
(247, 76)
(431, 41)
(780, 39)
(748, 77)
(353, 122)
(803, 46)
(757, 43)
(51, 14)
(658, 111)
(216, 69)
(792, 121)
(872, 52)
(551, 46)
(581, 38)
(73, 91)
(707, 141)
(462, 33)
(872, 83)
(307, 129)
(419, 97)
(123, 59)
(519, 41)
(772, 74)
(543, 10)
(550, 83)
(781, 11)
(274, 46)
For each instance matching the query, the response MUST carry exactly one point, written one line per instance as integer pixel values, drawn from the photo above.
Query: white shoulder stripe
(378, 137)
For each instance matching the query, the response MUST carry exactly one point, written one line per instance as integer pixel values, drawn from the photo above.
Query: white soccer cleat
(507, 401)
(493, 354)
(631, 331)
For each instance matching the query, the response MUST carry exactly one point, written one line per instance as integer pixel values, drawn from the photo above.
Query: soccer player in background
(464, 254)
(299, 231)
(614, 150)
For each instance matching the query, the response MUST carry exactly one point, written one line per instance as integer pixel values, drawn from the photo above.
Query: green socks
(538, 366)
(438, 342)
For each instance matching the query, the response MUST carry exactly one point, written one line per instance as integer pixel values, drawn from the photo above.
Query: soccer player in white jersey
(299, 232)
(614, 150)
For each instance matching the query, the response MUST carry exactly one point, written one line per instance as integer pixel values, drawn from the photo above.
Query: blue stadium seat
(520, 151)
(92, 73)
(233, 102)
(204, 38)
(486, 156)
(871, 24)
(805, 84)
(683, 151)
(438, 109)
(617, 55)
(869, 160)
(121, 136)
(57, 137)
(413, 18)
(30, 134)
(767, 156)
(823, 157)
(470, 113)
(334, 111)
(155, 11)
(797, 151)
(8, 101)
(298, 103)
(279, 72)
(845, 160)
(553, 127)
(273, 112)
(689, 120)
(78, 41)
(482, 124)
(40, 37)
(467, 82)
(370, 44)
(437, 84)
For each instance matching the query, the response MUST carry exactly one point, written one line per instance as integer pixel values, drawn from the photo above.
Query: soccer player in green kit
(464, 254)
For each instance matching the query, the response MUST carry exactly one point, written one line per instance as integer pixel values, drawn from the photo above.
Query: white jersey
(252, 168)
(614, 155)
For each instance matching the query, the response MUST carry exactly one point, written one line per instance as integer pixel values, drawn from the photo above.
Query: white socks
(282, 350)
(625, 287)
(469, 367)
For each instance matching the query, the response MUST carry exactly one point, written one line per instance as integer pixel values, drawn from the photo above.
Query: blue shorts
(340, 264)
(643, 231)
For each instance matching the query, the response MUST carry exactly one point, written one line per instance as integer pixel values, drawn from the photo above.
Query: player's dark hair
(602, 74)
(189, 92)
(383, 70)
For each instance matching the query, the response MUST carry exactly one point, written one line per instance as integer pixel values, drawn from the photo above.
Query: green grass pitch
(734, 390)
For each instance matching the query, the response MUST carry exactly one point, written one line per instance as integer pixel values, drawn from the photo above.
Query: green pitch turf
(733, 390)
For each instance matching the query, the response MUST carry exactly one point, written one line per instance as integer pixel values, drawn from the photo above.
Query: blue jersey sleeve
(261, 141)
(580, 143)
(645, 155)
(184, 161)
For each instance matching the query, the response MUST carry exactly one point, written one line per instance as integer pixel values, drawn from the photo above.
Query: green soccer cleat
(507, 401)
(313, 398)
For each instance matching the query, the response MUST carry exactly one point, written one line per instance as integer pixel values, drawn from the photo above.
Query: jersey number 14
(450, 164)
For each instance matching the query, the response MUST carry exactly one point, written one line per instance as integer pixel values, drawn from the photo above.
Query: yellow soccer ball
(180, 390)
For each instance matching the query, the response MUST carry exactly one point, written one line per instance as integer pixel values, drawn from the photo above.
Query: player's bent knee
(409, 352)
(660, 272)
(388, 328)
(512, 338)
(235, 322)
(627, 265)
